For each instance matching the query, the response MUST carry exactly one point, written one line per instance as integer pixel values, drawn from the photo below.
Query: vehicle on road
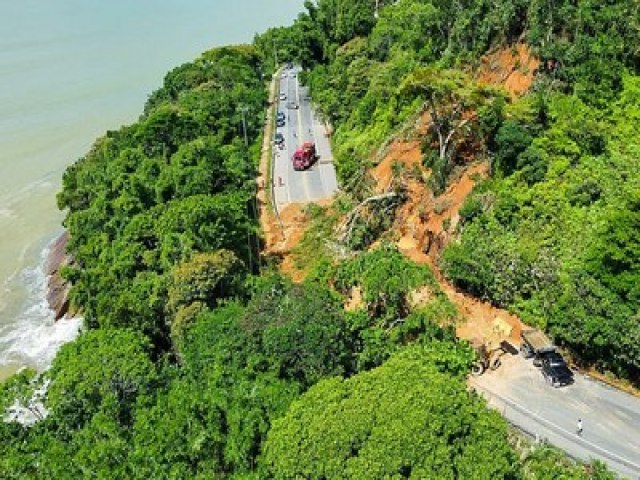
(488, 357)
(279, 138)
(280, 122)
(293, 105)
(304, 156)
(555, 370)
(283, 96)
(490, 349)
(280, 116)
(535, 343)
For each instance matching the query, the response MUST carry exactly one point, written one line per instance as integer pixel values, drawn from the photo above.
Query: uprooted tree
(364, 222)
(456, 105)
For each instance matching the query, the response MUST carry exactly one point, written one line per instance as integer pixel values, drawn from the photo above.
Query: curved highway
(301, 125)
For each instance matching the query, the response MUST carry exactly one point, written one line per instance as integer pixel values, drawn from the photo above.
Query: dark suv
(555, 369)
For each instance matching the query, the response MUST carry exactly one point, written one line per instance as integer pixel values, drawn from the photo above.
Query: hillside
(536, 106)
(487, 159)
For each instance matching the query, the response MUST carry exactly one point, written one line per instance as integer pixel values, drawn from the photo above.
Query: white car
(283, 97)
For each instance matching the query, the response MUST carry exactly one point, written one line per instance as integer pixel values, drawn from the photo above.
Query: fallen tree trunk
(346, 228)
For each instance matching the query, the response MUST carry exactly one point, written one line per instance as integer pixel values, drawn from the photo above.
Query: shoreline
(43, 324)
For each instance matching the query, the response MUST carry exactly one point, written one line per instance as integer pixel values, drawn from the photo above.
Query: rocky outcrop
(57, 287)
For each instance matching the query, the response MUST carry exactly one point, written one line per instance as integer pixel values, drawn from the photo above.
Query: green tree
(301, 329)
(512, 139)
(103, 371)
(386, 278)
(547, 463)
(616, 257)
(412, 26)
(151, 195)
(405, 419)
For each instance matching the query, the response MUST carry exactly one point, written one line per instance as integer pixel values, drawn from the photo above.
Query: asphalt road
(318, 182)
(611, 418)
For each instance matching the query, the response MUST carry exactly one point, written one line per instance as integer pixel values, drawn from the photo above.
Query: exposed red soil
(404, 154)
(420, 222)
(295, 224)
(425, 223)
(512, 68)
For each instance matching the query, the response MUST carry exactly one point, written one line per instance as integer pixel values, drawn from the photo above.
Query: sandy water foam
(33, 338)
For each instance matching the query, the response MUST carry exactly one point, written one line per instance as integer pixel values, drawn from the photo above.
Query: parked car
(279, 138)
(280, 122)
(283, 96)
(280, 116)
(555, 369)
(545, 356)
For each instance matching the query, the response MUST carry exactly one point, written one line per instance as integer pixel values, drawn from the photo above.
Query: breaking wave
(32, 338)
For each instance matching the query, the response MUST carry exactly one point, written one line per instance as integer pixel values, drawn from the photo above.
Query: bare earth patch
(404, 154)
(354, 301)
(295, 224)
(511, 67)
(424, 223)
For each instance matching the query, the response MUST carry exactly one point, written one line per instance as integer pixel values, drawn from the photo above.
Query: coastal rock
(57, 287)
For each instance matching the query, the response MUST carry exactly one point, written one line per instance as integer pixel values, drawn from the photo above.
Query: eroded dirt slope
(425, 223)
(513, 68)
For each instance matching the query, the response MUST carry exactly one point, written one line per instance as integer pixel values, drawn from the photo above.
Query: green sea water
(70, 70)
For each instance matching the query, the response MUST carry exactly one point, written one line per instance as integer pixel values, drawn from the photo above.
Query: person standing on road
(579, 428)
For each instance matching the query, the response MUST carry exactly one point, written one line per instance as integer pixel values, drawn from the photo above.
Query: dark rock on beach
(57, 287)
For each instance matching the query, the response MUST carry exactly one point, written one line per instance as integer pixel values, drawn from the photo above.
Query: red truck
(304, 156)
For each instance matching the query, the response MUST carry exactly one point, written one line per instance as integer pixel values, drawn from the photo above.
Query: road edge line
(568, 435)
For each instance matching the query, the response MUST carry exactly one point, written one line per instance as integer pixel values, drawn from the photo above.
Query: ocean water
(70, 70)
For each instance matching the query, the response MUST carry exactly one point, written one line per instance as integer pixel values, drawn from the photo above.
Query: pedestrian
(579, 428)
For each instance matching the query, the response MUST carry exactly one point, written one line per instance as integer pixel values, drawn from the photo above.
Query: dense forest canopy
(197, 361)
(149, 197)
